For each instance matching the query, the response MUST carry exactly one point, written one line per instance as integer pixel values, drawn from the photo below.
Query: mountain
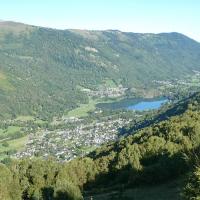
(42, 69)
(152, 163)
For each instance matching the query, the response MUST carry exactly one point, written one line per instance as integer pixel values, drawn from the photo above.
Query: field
(8, 143)
(83, 109)
(10, 130)
(16, 144)
(12, 146)
(25, 118)
(109, 83)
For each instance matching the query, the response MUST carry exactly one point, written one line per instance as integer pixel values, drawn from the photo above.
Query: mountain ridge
(10, 22)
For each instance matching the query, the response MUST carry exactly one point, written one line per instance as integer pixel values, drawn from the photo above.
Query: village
(104, 91)
(66, 144)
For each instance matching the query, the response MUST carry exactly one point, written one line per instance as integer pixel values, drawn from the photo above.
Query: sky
(143, 16)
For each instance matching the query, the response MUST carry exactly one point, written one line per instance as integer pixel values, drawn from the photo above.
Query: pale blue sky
(126, 15)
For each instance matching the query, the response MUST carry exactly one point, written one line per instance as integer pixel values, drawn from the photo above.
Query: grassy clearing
(9, 131)
(25, 118)
(86, 149)
(19, 143)
(109, 83)
(16, 144)
(83, 109)
(165, 191)
(39, 121)
(12, 129)
(6, 134)
(161, 192)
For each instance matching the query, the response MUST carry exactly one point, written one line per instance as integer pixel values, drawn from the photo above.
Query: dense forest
(159, 153)
(42, 69)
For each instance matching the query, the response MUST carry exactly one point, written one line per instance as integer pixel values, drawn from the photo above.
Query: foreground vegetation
(159, 154)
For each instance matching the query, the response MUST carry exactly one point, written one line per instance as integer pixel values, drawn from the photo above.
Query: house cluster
(107, 92)
(168, 82)
(71, 142)
(188, 80)
(197, 73)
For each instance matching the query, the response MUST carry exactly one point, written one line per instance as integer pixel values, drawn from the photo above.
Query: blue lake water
(147, 105)
(134, 104)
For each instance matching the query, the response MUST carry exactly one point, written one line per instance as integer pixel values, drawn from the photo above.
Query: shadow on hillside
(48, 194)
(156, 169)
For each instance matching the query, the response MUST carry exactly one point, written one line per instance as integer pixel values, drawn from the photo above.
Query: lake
(147, 105)
(134, 104)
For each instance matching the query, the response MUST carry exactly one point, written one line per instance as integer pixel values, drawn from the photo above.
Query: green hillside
(160, 161)
(42, 70)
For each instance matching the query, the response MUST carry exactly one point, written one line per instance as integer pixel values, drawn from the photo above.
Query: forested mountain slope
(42, 69)
(159, 154)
